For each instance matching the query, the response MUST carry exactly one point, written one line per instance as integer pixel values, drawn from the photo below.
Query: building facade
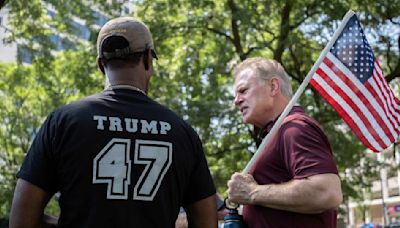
(10, 51)
(382, 204)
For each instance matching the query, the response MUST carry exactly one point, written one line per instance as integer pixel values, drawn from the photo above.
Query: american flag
(352, 82)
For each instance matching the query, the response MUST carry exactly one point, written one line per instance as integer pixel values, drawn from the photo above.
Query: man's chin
(248, 121)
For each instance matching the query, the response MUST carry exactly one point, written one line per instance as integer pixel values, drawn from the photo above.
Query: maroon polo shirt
(299, 149)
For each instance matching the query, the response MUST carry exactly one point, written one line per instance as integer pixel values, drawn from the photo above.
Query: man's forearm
(203, 213)
(309, 195)
(28, 203)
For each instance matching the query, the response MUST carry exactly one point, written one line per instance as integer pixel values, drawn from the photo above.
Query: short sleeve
(201, 184)
(38, 167)
(306, 150)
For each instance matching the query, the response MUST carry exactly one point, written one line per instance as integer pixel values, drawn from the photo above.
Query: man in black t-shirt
(118, 158)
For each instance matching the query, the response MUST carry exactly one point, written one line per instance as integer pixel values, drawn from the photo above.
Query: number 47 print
(112, 166)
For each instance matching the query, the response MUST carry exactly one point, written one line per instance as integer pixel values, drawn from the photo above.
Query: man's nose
(238, 99)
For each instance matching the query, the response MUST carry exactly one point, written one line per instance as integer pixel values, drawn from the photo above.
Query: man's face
(252, 96)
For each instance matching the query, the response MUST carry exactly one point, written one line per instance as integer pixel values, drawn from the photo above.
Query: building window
(24, 54)
(82, 31)
(100, 18)
(56, 40)
(51, 14)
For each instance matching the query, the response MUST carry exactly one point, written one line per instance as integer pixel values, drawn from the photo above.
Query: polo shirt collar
(270, 124)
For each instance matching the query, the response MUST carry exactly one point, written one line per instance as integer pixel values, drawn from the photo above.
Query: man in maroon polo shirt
(295, 182)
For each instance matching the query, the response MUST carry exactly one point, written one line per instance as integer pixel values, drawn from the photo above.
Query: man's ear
(275, 85)
(147, 59)
(100, 65)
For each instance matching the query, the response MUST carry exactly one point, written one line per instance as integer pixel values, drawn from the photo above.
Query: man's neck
(127, 77)
(123, 86)
(280, 107)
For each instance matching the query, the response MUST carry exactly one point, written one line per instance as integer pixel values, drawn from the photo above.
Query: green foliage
(17, 100)
(198, 43)
(28, 95)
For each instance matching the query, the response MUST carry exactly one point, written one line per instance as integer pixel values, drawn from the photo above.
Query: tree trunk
(2, 3)
(396, 72)
(283, 33)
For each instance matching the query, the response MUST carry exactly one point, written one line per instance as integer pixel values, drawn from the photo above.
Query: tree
(198, 43)
(205, 39)
(2, 3)
(28, 96)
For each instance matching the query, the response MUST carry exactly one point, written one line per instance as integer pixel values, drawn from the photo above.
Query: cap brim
(153, 53)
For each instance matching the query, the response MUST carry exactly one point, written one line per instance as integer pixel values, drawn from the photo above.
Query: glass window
(101, 19)
(82, 31)
(52, 14)
(24, 54)
(56, 40)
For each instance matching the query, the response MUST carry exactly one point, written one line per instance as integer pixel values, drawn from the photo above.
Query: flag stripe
(382, 88)
(391, 99)
(362, 98)
(373, 87)
(353, 103)
(346, 113)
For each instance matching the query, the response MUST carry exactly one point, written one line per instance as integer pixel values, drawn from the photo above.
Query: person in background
(118, 158)
(294, 182)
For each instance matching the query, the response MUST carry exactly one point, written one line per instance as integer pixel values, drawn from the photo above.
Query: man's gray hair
(265, 69)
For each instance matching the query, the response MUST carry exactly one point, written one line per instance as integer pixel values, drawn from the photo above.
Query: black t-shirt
(119, 159)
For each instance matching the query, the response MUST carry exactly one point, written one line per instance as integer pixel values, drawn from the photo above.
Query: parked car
(394, 225)
(371, 225)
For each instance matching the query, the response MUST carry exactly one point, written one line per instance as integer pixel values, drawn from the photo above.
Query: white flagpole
(299, 91)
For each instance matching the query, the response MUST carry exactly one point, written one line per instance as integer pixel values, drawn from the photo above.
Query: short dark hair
(117, 44)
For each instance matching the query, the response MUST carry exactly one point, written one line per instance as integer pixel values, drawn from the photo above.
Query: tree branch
(220, 33)
(396, 72)
(261, 46)
(394, 22)
(308, 14)
(296, 63)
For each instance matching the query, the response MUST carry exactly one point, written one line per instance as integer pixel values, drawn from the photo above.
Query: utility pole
(384, 189)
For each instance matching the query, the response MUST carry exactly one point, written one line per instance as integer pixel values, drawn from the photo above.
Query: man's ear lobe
(100, 65)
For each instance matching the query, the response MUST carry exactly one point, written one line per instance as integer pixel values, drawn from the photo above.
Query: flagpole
(299, 91)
